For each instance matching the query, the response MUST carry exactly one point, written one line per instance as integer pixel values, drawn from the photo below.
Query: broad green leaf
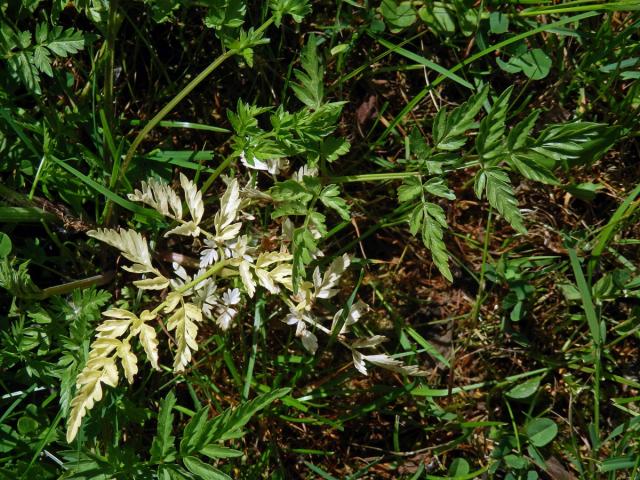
(438, 18)
(162, 447)
(437, 186)
(535, 64)
(490, 135)
(541, 431)
(432, 235)
(330, 197)
(449, 129)
(410, 189)
(519, 135)
(458, 468)
(527, 165)
(204, 471)
(498, 22)
(5, 245)
(525, 389)
(310, 89)
(229, 423)
(216, 451)
(397, 15)
(194, 435)
(500, 195)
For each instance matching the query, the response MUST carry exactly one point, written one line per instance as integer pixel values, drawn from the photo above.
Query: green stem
(108, 76)
(168, 107)
(70, 286)
(371, 177)
(216, 173)
(178, 98)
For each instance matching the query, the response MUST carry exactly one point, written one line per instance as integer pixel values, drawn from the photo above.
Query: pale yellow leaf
(193, 197)
(128, 360)
(155, 283)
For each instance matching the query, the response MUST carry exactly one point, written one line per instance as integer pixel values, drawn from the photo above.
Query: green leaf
(619, 463)
(229, 14)
(525, 389)
(229, 423)
(20, 63)
(500, 195)
(333, 147)
(410, 189)
(432, 236)
(216, 451)
(296, 8)
(330, 198)
(415, 219)
(163, 448)
(526, 163)
(65, 42)
(194, 436)
(291, 191)
(541, 431)
(438, 18)
(5, 245)
(204, 471)
(458, 468)
(449, 129)
(490, 136)
(310, 89)
(576, 143)
(519, 135)
(42, 61)
(535, 64)
(397, 15)
(498, 22)
(437, 186)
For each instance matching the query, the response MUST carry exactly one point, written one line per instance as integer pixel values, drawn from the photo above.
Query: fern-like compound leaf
(490, 136)
(96, 372)
(224, 218)
(159, 196)
(184, 321)
(449, 129)
(193, 198)
(132, 245)
(147, 335)
(434, 223)
(500, 195)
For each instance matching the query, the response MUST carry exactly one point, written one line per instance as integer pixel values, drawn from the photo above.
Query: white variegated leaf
(247, 278)
(128, 360)
(160, 196)
(368, 342)
(188, 229)
(358, 362)
(309, 341)
(193, 198)
(183, 321)
(132, 245)
(155, 283)
(90, 392)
